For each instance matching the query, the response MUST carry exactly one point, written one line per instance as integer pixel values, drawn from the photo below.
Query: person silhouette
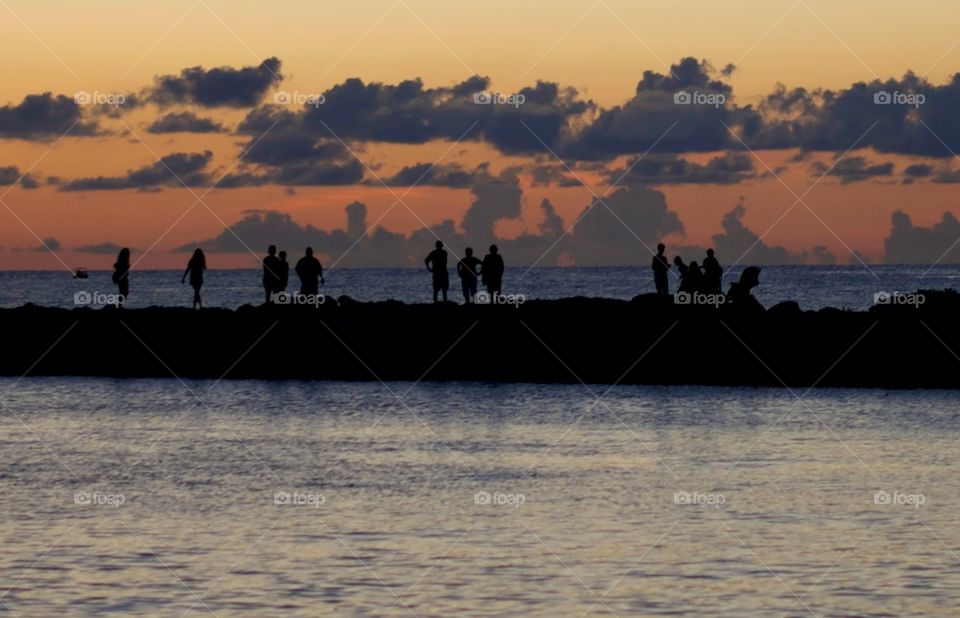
(437, 264)
(660, 267)
(683, 269)
(195, 268)
(271, 268)
(283, 273)
(121, 275)
(740, 291)
(310, 272)
(468, 269)
(694, 278)
(492, 272)
(712, 273)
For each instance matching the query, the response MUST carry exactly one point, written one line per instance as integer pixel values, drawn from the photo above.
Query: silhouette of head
(709, 252)
(468, 251)
(439, 244)
(661, 248)
(198, 253)
(271, 250)
(309, 251)
(694, 266)
(124, 255)
(283, 255)
(677, 260)
(493, 249)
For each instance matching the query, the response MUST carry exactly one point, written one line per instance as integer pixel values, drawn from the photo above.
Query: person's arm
(322, 282)
(427, 262)
(185, 273)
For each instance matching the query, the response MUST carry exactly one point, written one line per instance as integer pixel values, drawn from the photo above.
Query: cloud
(427, 174)
(11, 175)
(910, 244)
(184, 122)
(47, 244)
(738, 243)
(553, 175)
(853, 169)
(218, 87)
(729, 168)
(43, 117)
(106, 248)
(174, 170)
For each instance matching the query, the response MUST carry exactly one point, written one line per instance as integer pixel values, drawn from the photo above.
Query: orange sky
(600, 47)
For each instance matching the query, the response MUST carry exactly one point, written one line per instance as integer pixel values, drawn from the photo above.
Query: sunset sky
(203, 84)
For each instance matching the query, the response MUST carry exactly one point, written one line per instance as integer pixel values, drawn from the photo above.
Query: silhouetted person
(682, 268)
(284, 272)
(121, 275)
(310, 272)
(468, 268)
(712, 274)
(271, 272)
(437, 264)
(694, 278)
(739, 294)
(660, 267)
(492, 272)
(195, 268)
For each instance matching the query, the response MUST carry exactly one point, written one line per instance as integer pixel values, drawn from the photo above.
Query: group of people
(276, 273)
(469, 269)
(693, 278)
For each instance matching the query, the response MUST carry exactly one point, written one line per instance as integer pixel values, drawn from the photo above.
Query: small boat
(81, 273)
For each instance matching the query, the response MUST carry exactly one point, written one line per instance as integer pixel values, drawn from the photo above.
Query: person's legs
(465, 286)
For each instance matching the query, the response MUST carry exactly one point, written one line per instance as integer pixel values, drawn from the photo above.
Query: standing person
(284, 272)
(310, 272)
(467, 268)
(694, 278)
(121, 275)
(195, 268)
(271, 270)
(684, 279)
(492, 272)
(712, 273)
(437, 264)
(660, 267)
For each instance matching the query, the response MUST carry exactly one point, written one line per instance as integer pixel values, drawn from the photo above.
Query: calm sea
(161, 498)
(812, 286)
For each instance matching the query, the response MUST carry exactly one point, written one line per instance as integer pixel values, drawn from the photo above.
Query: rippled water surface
(158, 498)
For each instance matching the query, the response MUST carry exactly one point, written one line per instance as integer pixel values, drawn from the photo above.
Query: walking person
(468, 269)
(121, 275)
(195, 268)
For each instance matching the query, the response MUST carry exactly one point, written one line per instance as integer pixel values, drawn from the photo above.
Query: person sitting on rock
(739, 294)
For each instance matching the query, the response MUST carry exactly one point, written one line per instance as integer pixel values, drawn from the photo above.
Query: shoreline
(647, 340)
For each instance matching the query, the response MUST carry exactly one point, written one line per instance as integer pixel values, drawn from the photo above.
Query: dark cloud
(47, 244)
(427, 174)
(11, 175)
(174, 170)
(218, 87)
(185, 122)
(653, 169)
(44, 116)
(106, 248)
(918, 170)
(553, 175)
(743, 245)
(910, 244)
(853, 169)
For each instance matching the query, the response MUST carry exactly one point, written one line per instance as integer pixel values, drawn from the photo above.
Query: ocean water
(162, 498)
(814, 287)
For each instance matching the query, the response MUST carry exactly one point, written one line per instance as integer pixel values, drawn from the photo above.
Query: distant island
(648, 340)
